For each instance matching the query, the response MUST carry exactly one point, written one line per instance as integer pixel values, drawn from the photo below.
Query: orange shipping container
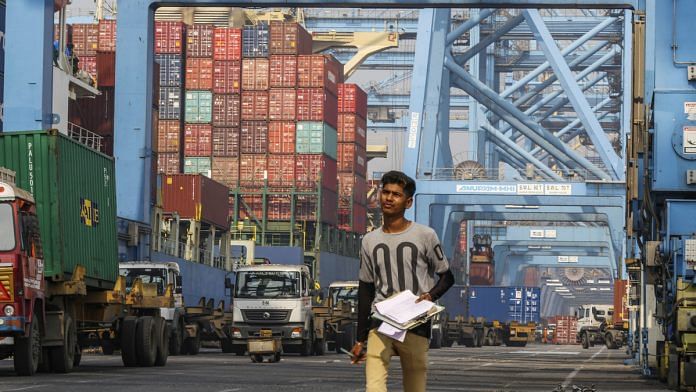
(352, 129)
(225, 170)
(227, 77)
(352, 99)
(168, 134)
(289, 38)
(199, 74)
(281, 137)
(281, 171)
(283, 71)
(198, 140)
(107, 35)
(254, 105)
(85, 39)
(194, 196)
(227, 43)
(319, 71)
(169, 37)
(255, 74)
(620, 301)
(282, 104)
(352, 159)
(316, 104)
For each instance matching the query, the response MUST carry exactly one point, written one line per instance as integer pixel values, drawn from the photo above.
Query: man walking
(400, 255)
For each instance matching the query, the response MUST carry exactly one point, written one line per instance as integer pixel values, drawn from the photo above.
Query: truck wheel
(78, 356)
(319, 347)
(610, 342)
(127, 337)
(585, 340)
(308, 344)
(45, 362)
(163, 346)
(193, 345)
(63, 357)
(28, 350)
(176, 341)
(226, 345)
(146, 339)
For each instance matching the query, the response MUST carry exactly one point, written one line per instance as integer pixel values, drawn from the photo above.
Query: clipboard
(422, 319)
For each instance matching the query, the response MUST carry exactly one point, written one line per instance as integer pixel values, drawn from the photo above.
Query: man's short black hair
(397, 177)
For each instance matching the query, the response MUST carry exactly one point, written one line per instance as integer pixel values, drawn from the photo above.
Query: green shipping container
(197, 165)
(75, 192)
(316, 137)
(199, 107)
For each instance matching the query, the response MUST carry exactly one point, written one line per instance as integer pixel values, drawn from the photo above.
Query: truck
(189, 325)
(276, 300)
(605, 324)
(488, 315)
(60, 289)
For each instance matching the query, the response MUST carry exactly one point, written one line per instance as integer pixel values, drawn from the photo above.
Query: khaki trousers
(414, 361)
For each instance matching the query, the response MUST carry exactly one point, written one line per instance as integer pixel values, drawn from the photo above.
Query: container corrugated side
(199, 107)
(315, 138)
(199, 40)
(195, 197)
(75, 192)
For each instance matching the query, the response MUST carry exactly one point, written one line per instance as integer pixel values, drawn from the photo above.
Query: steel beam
(519, 120)
(28, 77)
(489, 40)
(582, 107)
(466, 26)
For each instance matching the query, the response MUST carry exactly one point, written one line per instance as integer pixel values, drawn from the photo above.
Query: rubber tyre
(436, 339)
(129, 354)
(28, 350)
(308, 344)
(192, 346)
(176, 341)
(45, 362)
(163, 346)
(146, 339)
(609, 342)
(226, 345)
(319, 347)
(585, 340)
(276, 357)
(63, 357)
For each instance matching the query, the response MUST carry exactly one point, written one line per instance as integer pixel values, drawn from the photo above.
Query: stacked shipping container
(260, 115)
(352, 158)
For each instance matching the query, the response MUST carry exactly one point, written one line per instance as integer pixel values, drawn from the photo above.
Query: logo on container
(89, 213)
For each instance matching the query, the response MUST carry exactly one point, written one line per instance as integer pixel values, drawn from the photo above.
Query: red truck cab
(21, 266)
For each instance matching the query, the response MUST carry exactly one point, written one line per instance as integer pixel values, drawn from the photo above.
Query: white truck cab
(592, 316)
(276, 298)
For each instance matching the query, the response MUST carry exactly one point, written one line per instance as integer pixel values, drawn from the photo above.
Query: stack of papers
(400, 313)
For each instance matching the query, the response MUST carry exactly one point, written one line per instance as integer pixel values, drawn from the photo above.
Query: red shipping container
(168, 133)
(254, 137)
(306, 207)
(198, 140)
(316, 104)
(289, 38)
(199, 40)
(88, 64)
(353, 219)
(106, 72)
(352, 99)
(352, 129)
(319, 71)
(352, 159)
(309, 168)
(565, 331)
(226, 110)
(199, 74)
(85, 39)
(281, 170)
(255, 74)
(352, 189)
(281, 137)
(252, 170)
(620, 302)
(251, 207)
(107, 35)
(282, 104)
(225, 142)
(278, 207)
(227, 77)
(194, 196)
(227, 43)
(481, 274)
(225, 170)
(168, 162)
(169, 37)
(254, 105)
(283, 71)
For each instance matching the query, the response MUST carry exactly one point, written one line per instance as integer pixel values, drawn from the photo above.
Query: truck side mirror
(179, 284)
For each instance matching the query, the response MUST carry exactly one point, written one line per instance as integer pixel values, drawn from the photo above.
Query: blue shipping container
(255, 40)
(454, 301)
(506, 304)
(171, 70)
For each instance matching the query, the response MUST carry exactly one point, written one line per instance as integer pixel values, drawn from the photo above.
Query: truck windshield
(344, 294)
(7, 229)
(157, 276)
(268, 284)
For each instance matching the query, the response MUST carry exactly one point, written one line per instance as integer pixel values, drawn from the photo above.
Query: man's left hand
(425, 296)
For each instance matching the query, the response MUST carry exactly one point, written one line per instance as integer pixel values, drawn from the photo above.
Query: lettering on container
(487, 188)
(89, 213)
(558, 189)
(30, 165)
(530, 189)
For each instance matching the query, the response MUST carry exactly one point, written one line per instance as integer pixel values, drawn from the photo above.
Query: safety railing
(86, 137)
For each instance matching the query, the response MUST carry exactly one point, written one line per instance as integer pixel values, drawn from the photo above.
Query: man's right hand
(359, 352)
